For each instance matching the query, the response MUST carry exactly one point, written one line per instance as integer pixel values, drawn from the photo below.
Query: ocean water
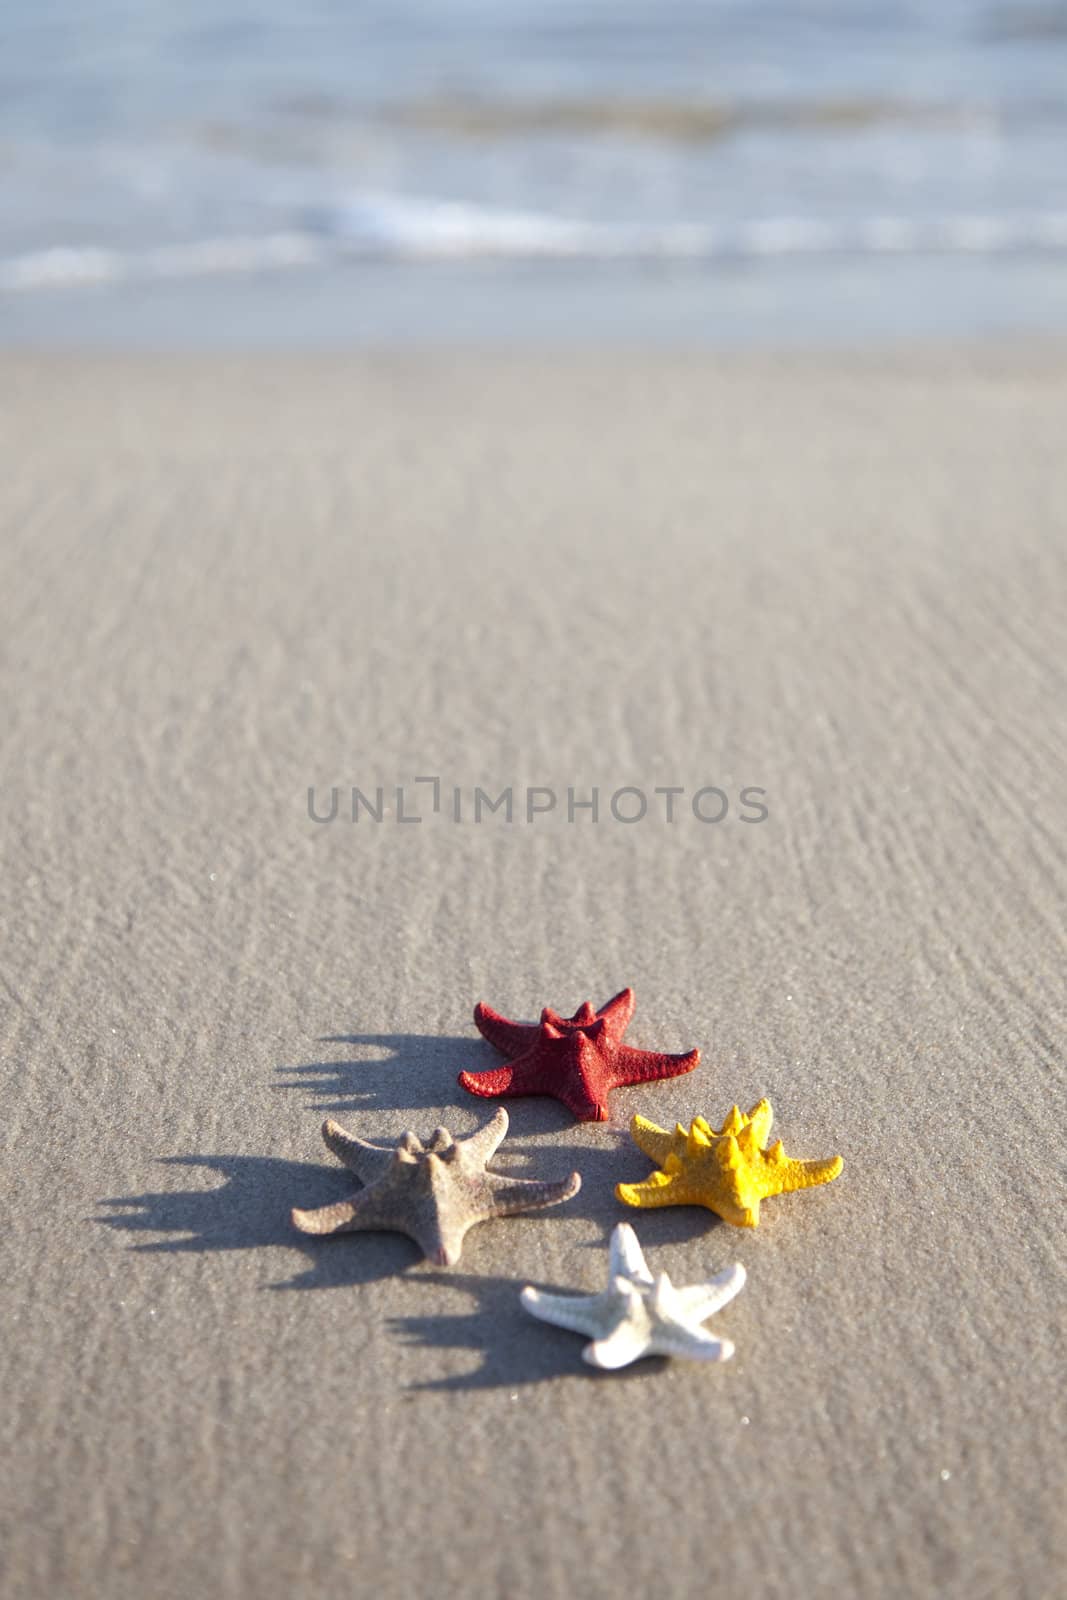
(726, 170)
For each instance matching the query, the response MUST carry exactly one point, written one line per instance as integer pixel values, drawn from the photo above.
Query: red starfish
(577, 1059)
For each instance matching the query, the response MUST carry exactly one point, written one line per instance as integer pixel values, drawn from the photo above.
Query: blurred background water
(216, 171)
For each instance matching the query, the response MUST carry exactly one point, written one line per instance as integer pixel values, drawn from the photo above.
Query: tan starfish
(432, 1192)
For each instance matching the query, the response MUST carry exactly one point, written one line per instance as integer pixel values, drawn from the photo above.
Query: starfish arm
(579, 1313)
(701, 1300)
(343, 1217)
(512, 1038)
(693, 1343)
(656, 1143)
(367, 1161)
(520, 1078)
(659, 1190)
(371, 1210)
(617, 1012)
(646, 1066)
(626, 1258)
(623, 1345)
(481, 1145)
(507, 1196)
(804, 1174)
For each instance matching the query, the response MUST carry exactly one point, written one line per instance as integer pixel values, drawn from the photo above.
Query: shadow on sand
(250, 1208)
(390, 1071)
(516, 1349)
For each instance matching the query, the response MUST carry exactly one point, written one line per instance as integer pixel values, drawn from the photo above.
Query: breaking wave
(384, 228)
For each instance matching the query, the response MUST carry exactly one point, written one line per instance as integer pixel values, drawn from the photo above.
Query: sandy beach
(841, 581)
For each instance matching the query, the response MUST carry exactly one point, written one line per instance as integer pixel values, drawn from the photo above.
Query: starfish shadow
(603, 1162)
(415, 1072)
(250, 1210)
(387, 1071)
(516, 1350)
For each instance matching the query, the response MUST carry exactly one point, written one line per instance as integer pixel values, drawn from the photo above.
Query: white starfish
(639, 1315)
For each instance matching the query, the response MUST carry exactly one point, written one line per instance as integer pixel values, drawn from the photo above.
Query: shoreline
(832, 304)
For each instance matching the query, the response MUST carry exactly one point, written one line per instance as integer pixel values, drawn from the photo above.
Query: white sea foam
(398, 228)
(536, 132)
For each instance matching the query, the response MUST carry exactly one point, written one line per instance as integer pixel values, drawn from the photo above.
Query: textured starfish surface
(639, 1315)
(727, 1169)
(432, 1192)
(577, 1059)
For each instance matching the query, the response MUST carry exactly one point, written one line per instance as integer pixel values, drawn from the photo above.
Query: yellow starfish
(727, 1169)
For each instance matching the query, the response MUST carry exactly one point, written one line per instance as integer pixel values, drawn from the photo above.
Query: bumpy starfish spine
(515, 1038)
